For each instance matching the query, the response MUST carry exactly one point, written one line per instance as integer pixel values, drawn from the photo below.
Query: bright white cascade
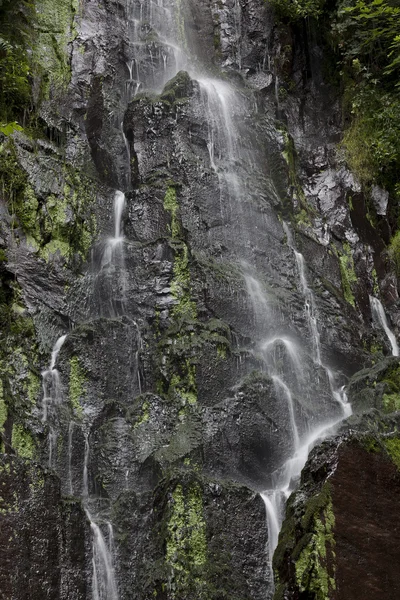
(51, 380)
(52, 397)
(104, 586)
(111, 277)
(287, 476)
(379, 316)
(338, 394)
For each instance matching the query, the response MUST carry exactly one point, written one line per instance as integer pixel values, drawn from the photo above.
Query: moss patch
(22, 442)
(315, 562)
(347, 272)
(77, 389)
(393, 448)
(186, 544)
(64, 224)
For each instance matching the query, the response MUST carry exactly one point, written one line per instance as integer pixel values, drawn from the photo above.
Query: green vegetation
(27, 73)
(186, 543)
(77, 390)
(22, 442)
(299, 9)
(309, 542)
(186, 336)
(19, 371)
(54, 224)
(362, 43)
(347, 273)
(391, 402)
(312, 572)
(145, 416)
(394, 252)
(393, 448)
(171, 206)
(304, 210)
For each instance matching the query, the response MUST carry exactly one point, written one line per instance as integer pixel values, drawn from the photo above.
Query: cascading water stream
(104, 585)
(286, 477)
(379, 317)
(150, 66)
(51, 380)
(52, 397)
(311, 314)
(110, 272)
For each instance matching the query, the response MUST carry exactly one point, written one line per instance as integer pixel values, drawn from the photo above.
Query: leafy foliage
(366, 36)
(294, 10)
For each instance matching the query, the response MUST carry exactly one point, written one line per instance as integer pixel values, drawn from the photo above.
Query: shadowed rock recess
(198, 312)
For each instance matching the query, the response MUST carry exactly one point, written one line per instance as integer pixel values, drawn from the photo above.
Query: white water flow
(221, 104)
(104, 585)
(293, 425)
(111, 279)
(312, 319)
(51, 387)
(379, 316)
(51, 380)
(156, 44)
(114, 245)
(286, 477)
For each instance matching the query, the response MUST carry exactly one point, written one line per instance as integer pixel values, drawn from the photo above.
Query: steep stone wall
(165, 417)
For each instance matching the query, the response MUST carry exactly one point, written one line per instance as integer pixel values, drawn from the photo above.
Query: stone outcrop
(340, 536)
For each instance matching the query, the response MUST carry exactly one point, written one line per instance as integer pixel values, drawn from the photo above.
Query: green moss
(63, 224)
(371, 444)
(181, 286)
(176, 91)
(391, 402)
(53, 31)
(22, 442)
(33, 387)
(301, 9)
(55, 247)
(393, 448)
(145, 416)
(314, 564)
(171, 205)
(77, 389)
(391, 378)
(186, 543)
(347, 273)
(375, 282)
(394, 252)
(304, 210)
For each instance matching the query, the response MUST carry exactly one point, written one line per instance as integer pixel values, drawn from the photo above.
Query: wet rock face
(43, 537)
(340, 535)
(166, 421)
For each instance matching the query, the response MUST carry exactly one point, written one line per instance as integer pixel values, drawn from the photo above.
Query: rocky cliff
(186, 263)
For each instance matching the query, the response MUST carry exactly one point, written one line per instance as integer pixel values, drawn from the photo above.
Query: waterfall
(312, 319)
(51, 380)
(379, 317)
(111, 278)
(51, 399)
(104, 585)
(288, 474)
